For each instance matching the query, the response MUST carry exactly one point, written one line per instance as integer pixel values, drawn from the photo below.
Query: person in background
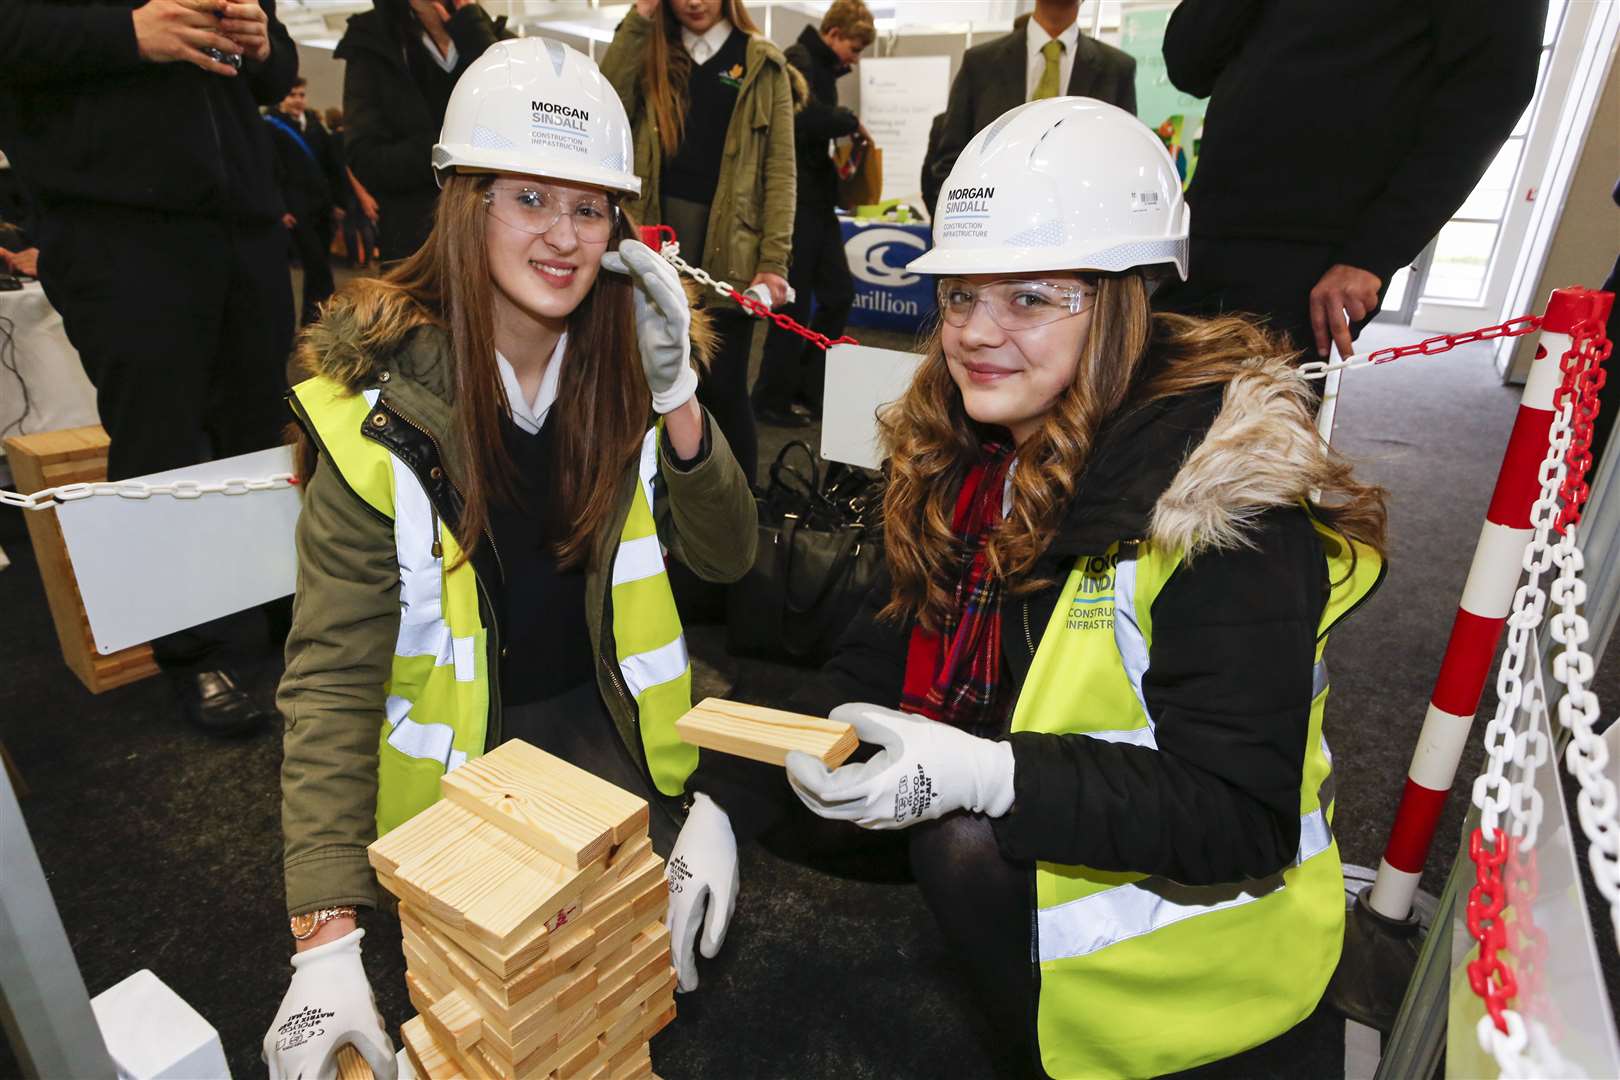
(311, 179)
(360, 208)
(1045, 56)
(712, 107)
(136, 130)
(401, 60)
(1339, 138)
(792, 368)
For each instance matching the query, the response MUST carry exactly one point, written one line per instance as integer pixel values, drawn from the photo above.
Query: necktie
(1048, 86)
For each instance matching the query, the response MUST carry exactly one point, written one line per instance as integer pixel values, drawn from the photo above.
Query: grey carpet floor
(162, 846)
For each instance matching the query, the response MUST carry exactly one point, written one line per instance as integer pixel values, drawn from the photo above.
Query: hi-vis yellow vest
(438, 693)
(1140, 975)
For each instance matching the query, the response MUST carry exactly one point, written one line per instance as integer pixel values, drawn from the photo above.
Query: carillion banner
(887, 296)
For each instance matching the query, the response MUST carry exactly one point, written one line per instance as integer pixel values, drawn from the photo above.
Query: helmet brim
(1015, 260)
(461, 157)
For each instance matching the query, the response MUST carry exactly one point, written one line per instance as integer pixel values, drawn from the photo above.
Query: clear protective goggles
(1014, 303)
(536, 208)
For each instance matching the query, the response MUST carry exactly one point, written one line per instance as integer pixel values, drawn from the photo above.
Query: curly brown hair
(931, 443)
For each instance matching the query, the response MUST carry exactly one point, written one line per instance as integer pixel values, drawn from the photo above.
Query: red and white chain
(1434, 346)
(1523, 1048)
(135, 489)
(671, 250)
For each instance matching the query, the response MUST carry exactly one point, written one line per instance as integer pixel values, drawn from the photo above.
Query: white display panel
(860, 381)
(148, 567)
(900, 96)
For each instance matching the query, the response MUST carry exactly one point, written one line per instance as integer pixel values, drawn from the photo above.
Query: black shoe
(781, 418)
(212, 701)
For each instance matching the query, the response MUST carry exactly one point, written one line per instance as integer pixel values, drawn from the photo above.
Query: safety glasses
(1013, 304)
(536, 208)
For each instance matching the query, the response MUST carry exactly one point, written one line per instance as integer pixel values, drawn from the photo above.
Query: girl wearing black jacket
(1094, 678)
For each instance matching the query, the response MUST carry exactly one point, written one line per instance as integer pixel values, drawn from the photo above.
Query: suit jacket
(993, 79)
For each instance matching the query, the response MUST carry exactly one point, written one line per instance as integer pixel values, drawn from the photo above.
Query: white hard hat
(536, 106)
(1065, 183)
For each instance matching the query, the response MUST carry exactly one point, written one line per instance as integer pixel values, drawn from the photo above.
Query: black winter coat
(821, 120)
(303, 173)
(85, 120)
(1229, 681)
(392, 118)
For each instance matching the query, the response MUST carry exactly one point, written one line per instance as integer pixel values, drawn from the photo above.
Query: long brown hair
(666, 71)
(602, 395)
(931, 444)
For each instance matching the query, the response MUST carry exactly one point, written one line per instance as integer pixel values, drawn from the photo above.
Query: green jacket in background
(346, 610)
(751, 217)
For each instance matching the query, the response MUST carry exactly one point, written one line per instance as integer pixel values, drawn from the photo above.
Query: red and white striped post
(1481, 616)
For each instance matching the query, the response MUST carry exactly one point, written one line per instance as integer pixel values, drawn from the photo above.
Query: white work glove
(663, 323)
(925, 770)
(702, 867)
(328, 1004)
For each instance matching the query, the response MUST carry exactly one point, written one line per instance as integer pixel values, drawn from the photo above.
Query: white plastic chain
(135, 489)
(1525, 1050)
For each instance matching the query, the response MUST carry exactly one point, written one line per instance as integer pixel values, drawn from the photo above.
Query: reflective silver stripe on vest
(434, 742)
(641, 558)
(1092, 923)
(654, 666)
(422, 627)
(1319, 679)
(1133, 654)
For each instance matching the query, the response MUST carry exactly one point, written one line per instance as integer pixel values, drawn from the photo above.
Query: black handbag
(820, 554)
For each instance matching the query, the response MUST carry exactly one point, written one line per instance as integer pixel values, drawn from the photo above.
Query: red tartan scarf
(953, 676)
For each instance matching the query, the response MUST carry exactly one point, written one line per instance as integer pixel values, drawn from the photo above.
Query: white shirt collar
(530, 416)
(703, 46)
(1036, 36)
(447, 61)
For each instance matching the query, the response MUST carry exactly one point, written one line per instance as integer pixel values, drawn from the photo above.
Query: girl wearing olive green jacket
(711, 103)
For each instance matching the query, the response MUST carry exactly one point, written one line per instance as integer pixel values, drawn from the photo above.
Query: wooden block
(662, 1020)
(556, 808)
(351, 1066)
(457, 1019)
(517, 971)
(638, 1067)
(762, 734)
(429, 1061)
(49, 459)
(473, 876)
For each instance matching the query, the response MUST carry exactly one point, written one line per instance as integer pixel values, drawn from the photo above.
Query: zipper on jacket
(433, 513)
(440, 450)
(1029, 639)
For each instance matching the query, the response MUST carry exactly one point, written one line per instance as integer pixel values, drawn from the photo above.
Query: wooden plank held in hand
(557, 808)
(351, 1066)
(762, 734)
(49, 459)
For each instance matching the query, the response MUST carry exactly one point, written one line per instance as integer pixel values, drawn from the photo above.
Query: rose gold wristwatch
(304, 926)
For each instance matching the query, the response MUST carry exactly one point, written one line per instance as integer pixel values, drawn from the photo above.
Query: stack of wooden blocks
(532, 906)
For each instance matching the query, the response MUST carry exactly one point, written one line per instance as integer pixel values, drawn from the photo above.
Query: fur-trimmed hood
(1194, 472)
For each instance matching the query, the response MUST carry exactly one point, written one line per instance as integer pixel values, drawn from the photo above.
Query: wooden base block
(49, 459)
(762, 734)
(427, 1058)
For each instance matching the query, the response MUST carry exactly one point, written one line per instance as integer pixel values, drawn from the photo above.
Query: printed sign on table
(887, 295)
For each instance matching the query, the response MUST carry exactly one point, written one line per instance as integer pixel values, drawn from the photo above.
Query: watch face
(303, 924)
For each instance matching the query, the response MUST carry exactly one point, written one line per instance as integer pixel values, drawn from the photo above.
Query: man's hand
(171, 30)
(25, 262)
(289, 221)
(1342, 290)
(775, 283)
(862, 135)
(246, 24)
(368, 205)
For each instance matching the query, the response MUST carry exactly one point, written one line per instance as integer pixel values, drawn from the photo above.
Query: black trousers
(1269, 278)
(792, 368)
(184, 325)
(313, 243)
(723, 388)
(982, 903)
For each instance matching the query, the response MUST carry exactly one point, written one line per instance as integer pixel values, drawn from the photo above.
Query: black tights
(981, 901)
